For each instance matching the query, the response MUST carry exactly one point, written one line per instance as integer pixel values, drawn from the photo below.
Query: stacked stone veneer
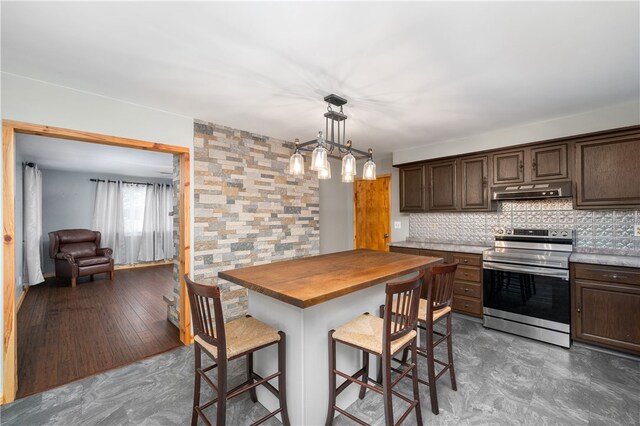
(247, 210)
(173, 313)
(604, 231)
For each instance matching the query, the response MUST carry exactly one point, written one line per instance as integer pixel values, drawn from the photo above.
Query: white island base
(307, 351)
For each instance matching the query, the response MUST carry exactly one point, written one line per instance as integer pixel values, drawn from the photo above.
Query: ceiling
(413, 73)
(61, 154)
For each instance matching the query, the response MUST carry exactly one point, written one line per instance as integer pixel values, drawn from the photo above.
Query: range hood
(532, 191)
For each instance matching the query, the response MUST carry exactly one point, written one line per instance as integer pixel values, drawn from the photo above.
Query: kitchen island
(306, 298)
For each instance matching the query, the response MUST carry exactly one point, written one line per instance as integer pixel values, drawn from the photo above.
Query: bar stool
(436, 307)
(383, 338)
(225, 342)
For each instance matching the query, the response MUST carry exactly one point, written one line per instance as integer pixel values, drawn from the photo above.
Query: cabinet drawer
(405, 250)
(611, 274)
(467, 305)
(467, 289)
(467, 259)
(468, 273)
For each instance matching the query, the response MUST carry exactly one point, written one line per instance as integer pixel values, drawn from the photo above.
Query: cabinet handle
(484, 181)
(465, 261)
(616, 276)
(466, 275)
(466, 290)
(521, 165)
(579, 309)
(534, 165)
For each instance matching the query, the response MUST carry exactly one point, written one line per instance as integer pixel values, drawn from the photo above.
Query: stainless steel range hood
(532, 191)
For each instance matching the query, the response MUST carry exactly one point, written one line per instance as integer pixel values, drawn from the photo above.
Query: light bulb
(325, 173)
(349, 165)
(347, 178)
(319, 158)
(296, 164)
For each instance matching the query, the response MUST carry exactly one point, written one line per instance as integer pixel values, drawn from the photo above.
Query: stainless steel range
(526, 284)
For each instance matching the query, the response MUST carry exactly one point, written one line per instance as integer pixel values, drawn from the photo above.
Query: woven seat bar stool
(225, 342)
(382, 338)
(440, 294)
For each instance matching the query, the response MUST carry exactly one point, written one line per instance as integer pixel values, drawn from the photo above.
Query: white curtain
(32, 222)
(157, 227)
(108, 218)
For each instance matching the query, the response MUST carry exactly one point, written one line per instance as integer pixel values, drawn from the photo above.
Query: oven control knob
(565, 234)
(508, 231)
(500, 231)
(554, 233)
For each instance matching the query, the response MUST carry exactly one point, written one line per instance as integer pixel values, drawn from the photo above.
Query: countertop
(427, 245)
(606, 259)
(309, 281)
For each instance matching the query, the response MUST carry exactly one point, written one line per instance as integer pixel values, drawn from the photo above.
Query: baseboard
(49, 275)
(143, 265)
(22, 296)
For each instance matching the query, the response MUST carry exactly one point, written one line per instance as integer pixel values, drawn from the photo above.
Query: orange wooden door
(371, 200)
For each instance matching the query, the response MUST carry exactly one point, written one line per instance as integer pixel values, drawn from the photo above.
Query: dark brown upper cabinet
(508, 167)
(608, 171)
(549, 162)
(412, 189)
(474, 181)
(442, 183)
(538, 163)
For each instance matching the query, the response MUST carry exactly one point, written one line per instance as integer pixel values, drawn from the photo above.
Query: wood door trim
(354, 205)
(9, 130)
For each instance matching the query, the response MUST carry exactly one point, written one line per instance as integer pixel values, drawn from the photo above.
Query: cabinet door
(607, 172)
(607, 314)
(549, 162)
(474, 190)
(412, 194)
(508, 167)
(442, 183)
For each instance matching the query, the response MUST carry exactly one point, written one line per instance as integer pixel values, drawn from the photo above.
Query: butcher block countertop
(308, 281)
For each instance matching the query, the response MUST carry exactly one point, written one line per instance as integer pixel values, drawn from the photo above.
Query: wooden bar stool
(435, 308)
(383, 338)
(225, 342)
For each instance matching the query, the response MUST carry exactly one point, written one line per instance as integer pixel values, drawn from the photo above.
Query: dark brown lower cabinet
(467, 287)
(606, 306)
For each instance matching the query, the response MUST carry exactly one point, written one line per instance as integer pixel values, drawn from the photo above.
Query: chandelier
(332, 143)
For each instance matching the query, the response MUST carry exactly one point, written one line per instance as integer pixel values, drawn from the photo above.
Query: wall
(247, 210)
(602, 231)
(621, 115)
(67, 202)
(336, 208)
(28, 100)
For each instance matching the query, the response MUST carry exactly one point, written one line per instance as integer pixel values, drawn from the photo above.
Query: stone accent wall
(247, 210)
(604, 231)
(173, 313)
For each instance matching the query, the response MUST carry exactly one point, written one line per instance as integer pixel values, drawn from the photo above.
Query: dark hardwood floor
(65, 333)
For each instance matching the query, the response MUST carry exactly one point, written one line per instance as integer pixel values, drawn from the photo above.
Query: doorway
(9, 130)
(371, 210)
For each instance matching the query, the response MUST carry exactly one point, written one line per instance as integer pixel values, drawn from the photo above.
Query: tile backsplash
(602, 231)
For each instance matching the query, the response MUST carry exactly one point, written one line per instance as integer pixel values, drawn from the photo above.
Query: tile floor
(502, 380)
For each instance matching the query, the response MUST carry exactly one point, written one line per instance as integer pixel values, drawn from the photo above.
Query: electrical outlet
(434, 226)
(636, 230)
(397, 224)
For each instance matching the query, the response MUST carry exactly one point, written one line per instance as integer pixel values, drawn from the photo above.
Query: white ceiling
(61, 154)
(413, 73)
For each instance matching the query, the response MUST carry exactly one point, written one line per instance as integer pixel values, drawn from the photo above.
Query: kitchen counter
(606, 259)
(454, 247)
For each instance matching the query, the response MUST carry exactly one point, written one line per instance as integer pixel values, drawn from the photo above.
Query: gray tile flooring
(502, 380)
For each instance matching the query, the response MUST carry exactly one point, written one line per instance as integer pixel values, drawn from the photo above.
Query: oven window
(535, 296)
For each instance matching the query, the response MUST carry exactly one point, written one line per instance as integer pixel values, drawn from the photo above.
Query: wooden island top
(308, 281)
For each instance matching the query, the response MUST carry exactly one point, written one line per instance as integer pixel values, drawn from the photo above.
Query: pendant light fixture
(332, 144)
(296, 162)
(369, 169)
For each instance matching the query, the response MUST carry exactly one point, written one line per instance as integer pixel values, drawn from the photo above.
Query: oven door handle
(527, 270)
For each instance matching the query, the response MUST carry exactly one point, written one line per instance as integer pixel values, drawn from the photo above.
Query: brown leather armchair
(77, 253)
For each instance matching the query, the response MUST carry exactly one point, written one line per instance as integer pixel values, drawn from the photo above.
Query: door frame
(355, 219)
(9, 130)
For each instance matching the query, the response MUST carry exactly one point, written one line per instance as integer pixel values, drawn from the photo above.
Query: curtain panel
(32, 223)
